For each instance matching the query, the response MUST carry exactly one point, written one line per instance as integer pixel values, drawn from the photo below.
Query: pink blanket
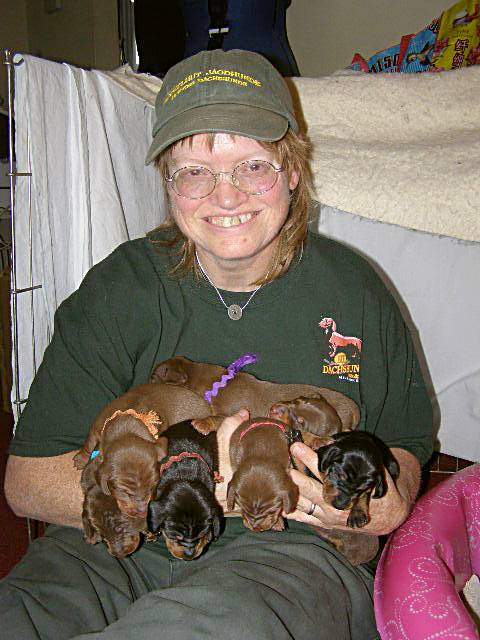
(428, 560)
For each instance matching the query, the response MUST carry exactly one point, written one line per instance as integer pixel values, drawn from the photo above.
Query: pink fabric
(428, 560)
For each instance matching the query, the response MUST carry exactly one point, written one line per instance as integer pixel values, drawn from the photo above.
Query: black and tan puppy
(352, 469)
(185, 509)
(261, 485)
(102, 519)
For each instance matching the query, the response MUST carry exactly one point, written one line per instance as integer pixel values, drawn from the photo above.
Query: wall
(83, 33)
(325, 34)
(13, 35)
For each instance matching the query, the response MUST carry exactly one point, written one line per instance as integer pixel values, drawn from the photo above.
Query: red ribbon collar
(189, 454)
(254, 425)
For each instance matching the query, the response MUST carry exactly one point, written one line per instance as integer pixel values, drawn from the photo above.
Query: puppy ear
(231, 494)
(162, 447)
(380, 486)
(216, 524)
(103, 476)
(153, 516)
(392, 465)
(327, 455)
(169, 371)
(290, 496)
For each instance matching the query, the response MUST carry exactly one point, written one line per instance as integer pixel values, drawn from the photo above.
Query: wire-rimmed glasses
(253, 177)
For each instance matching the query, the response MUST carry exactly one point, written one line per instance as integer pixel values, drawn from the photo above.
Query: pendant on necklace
(234, 312)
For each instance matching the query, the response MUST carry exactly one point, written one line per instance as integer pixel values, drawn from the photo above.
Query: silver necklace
(234, 311)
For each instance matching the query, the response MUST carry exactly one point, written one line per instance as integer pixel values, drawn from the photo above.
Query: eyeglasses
(253, 177)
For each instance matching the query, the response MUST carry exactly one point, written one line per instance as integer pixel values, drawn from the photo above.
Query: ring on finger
(311, 511)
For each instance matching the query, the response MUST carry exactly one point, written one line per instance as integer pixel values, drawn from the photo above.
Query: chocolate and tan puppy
(103, 521)
(314, 417)
(246, 391)
(261, 485)
(127, 462)
(171, 403)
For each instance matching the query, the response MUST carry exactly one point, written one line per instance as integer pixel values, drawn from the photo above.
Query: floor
(15, 536)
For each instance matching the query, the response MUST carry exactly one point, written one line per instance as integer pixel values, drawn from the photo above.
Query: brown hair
(293, 153)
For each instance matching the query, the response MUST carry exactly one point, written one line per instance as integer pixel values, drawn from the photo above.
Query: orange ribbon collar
(151, 420)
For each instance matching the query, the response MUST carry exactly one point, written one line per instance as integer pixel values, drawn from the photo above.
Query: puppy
(261, 485)
(312, 416)
(103, 520)
(246, 391)
(185, 509)
(352, 469)
(171, 403)
(127, 461)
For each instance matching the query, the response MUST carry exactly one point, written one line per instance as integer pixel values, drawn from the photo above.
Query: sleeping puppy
(246, 391)
(312, 416)
(127, 461)
(171, 403)
(185, 509)
(261, 485)
(103, 520)
(352, 469)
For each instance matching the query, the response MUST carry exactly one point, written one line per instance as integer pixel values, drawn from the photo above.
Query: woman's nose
(226, 195)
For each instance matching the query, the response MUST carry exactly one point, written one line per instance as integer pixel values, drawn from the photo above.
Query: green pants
(255, 586)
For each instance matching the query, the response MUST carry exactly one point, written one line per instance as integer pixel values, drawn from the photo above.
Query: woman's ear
(293, 180)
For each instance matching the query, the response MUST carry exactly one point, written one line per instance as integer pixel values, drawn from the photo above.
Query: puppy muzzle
(186, 550)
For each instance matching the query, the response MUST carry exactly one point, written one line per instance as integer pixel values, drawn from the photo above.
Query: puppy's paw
(207, 425)
(149, 536)
(279, 525)
(80, 459)
(315, 442)
(93, 538)
(357, 518)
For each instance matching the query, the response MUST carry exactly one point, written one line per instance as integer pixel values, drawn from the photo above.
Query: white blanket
(401, 148)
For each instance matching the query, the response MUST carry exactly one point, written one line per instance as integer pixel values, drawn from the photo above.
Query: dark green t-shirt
(329, 321)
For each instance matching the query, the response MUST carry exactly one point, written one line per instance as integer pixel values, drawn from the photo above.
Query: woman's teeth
(231, 221)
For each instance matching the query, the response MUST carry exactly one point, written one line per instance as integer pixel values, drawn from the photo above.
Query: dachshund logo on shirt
(342, 353)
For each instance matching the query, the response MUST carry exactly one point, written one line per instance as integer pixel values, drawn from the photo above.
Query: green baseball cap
(234, 91)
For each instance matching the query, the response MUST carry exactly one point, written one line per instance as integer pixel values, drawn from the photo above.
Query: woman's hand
(311, 492)
(386, 513)
(224, 434)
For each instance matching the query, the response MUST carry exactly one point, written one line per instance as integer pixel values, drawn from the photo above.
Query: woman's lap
(270, 585)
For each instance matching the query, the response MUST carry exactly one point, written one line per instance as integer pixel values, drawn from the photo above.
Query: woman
(232, 270)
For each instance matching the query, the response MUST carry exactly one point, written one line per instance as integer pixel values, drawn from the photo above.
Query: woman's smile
(230, 221)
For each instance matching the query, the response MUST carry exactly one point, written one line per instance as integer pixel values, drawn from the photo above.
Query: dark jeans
(262, 586)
